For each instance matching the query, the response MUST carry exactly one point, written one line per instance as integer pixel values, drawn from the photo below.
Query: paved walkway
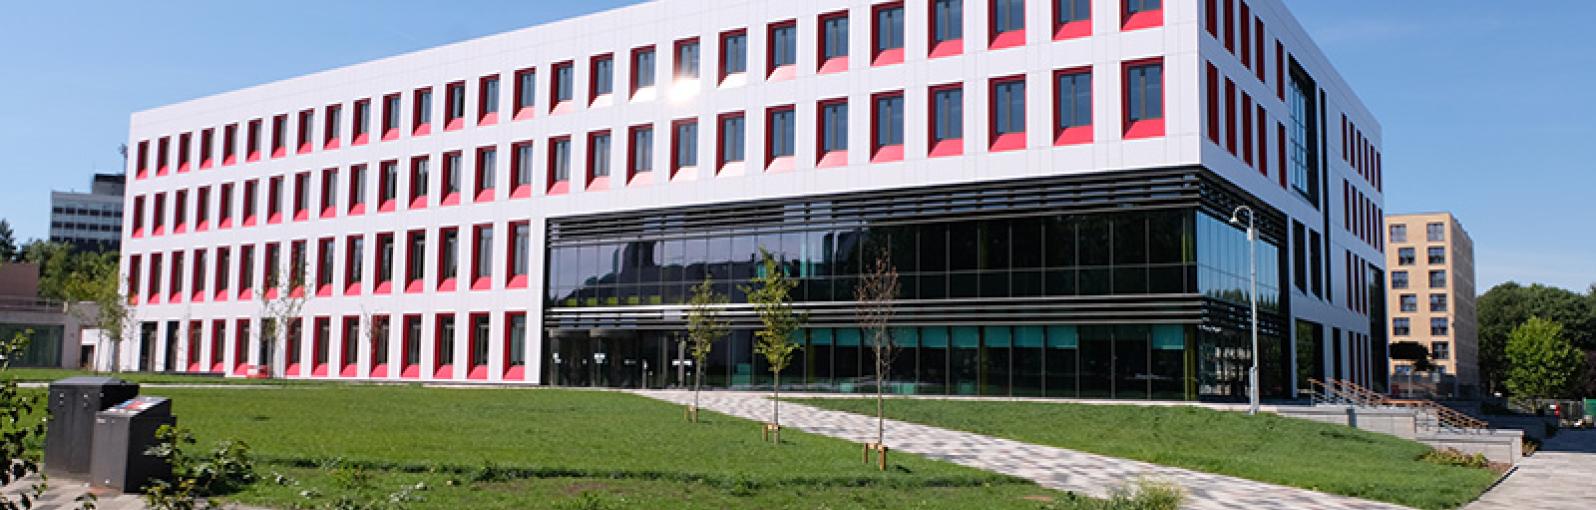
(1050, 467)
(63, 494)
(1562, 476)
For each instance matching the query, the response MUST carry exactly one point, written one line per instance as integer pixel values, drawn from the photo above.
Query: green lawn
(544, 448)
(52, 374)
(1266, 448)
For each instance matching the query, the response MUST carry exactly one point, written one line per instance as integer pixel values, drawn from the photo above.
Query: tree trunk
(698, 382)
(775, 402)
(116, 355)
(881, 417)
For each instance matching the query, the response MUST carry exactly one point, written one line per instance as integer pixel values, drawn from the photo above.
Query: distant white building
(89, 220)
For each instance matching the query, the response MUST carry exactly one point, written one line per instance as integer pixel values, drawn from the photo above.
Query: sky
(1485, 106)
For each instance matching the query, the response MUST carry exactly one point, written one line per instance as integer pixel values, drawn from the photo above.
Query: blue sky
(1485, 105)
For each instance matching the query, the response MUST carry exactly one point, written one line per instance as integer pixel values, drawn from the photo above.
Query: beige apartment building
(1431, 300)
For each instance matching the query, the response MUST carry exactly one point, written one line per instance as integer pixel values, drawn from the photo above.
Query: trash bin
(73, 403)
(121, 436)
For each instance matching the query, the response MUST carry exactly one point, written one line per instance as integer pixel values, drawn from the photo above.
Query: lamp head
(1235, 220)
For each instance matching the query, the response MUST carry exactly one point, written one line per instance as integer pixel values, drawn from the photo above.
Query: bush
(1145, 495)
(227, 468)
(1451, 457)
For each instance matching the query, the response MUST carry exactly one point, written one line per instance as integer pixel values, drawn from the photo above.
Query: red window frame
(218, 345)
(947, 48)
(1263, 141)
(450, 167)
(520, 190)
(675, 166)
(184, 146)
(886, 153)
(774, 72)
(524, 112)
(1073, 135)
(180, 211)
(223, 271)
(154, 290)
(453, 119)
(332, 121)
(1007, 39)
(382, 333)
(196, 276)
(477, 369)
(246, 272)
(484, 116)
(479, 282)
(279, 136)
(387, 204)
(633, 176)
(513, 372)
(1211, 17)
(158, 215)
(632, 86)
(301, 200)
(720, 52)
(1211, 106)
(1073, 29)
(558, 187)
(889, 56)
(138, 216)
(1007, 141)
(513, 280)
(174, 284)
(202, 208)
(352, 261)
(348, 367)
(361, 134)
(379, 285)
(596, 182)
(207, 148)
(1230, 115)
(556, 106)
(834, 64)
(774, 163)
(306, 131)
(594, 98)
(824, 158)
(329, 192)
(163, 146)
(133, 270)
(941, 147)
(440, 370)
(224, 206)
(417, 284)
(676, 61)
(721, 165)
(141, 160)
(252, 141)
(298, 255)
(390, 110)
(420, 124)
(418, 196)
(325, 279)
(408, 370)
(483, 189)
(1246, 128)
(1146, 128)
(355, 192)
(320, 341)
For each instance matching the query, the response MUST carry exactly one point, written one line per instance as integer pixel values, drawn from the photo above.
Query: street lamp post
(1252, 262)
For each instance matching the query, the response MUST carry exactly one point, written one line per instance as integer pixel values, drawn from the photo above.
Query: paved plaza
(1562, 476)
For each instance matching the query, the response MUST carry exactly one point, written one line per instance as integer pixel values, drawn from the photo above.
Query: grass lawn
(1266, 448)
(52, 374)
(320, 446)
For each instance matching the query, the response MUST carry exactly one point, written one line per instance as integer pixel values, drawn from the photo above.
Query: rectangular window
(1399, 279)
(482, 257)
(1435, 232)
(1405, 256)
(1440, 351)
(448, 257)
(1144, 99)
(947, 27)
(362, 121)
(1071, 18)
(229, 146)
(224, 280)
(1439, 326)
(478, 362)
(521, 169)
(301, 196)
(947, 120)
(602, 76)
(184, 144)
(559, 177)
(488, 100)
(888, 34)
(200, 265)
(385, 259)
(390, 117)
(783, 49)
(1399, 233)
(1409, 303)
(887, 131)
(251, 192)
(833, 127)
(1437, 254)
(329, 192)
(487, 173)
(175, 288)
(246, 271)
(526, 93)
(443, 347)
(1008, 23)
(1438, 302)
(515, 350)
(598, 157)
(307, 131)
(419, 177)
(687, 59)
(357, 189)
(274, 200)
(834, 42)
(354, 263)
(644, 68)
(641, 157)
(1438, 279)
(1008, 113)
(1300, 103)
(520, 252)
(564, 84)
(180, 211)
(159, 214)
(279, 136)
(202, 208)
(415, 260)
(731, 140)
(684, 145)
(324, 267)
(452, 162)
(224, 206)
(782, 132)
(1401, 326)
(251, 143)
(387, 185)
(331, 131)
(454, 110)
(155, 279)
(1073, 99)
(733, 53)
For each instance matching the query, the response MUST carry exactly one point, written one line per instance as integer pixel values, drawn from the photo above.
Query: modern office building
(1432, 301)
(90, 220)
(1052, 179)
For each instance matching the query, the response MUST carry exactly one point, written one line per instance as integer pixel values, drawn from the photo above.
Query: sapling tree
(705, 326)
(875, 298)
(282, 304)
(770, 291)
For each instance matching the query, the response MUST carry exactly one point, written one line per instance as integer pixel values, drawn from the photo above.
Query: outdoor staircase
(1428, 416)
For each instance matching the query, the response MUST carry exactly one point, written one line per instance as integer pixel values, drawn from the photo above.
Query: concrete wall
(1504, 446)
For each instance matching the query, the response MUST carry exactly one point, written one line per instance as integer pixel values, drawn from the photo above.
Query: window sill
(202, 226)
(450, 199)
(279, 152)
(359, 140)
(390, 135)
(640, 179)
(483, 283)
(182, 168)
(733, 80)
(524, 113)
(478, 372)
(887, 154)
(454, 124)
(198, 297)
(1144, 19)
(357, 210)
(782, 73)
(448, 285)
(1007, 142)
(444, 372)
(331, 144)
(781, 164)
(383, 288)
(221, 296)
(515, 373)
(352, 289)
(598, 183)
(488, 119)
(324, 291)
(305, 148)
(686, 173)
(252, 157)
(1073, 135)
(421, 130)
(387, 206)
(418, 203)
(1073, 30)
(888, 57)
(246, 295)
(414, 287)
(833, 65)
(522, 191)
(483, 196)
(731, 168)
(516, 282)
(301, 216)
(1009, 39)
(832, 159)
(1150, 128)
(559, 188)
(410, 372)
(329, 212)
(948, 48)
(349, 370)
(206, 165)
(601, 100)
(562, 107)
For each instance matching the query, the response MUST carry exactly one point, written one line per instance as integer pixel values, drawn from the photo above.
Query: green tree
(705, 326)
(8, 242)
(95, 279)
(56, 267)
(876, 298)
(770, 292)
(1508, 305)
(20, 429)
(1542, 362)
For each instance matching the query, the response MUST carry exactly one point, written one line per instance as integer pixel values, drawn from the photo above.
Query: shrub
(1451, 457)
(225, 469)
(1145, 494)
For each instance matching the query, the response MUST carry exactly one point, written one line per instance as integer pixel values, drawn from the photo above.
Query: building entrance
(616, 359)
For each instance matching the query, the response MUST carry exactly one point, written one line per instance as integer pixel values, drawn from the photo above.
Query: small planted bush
(1451, 457)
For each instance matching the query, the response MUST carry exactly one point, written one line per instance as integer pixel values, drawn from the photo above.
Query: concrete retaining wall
(1504, 446)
